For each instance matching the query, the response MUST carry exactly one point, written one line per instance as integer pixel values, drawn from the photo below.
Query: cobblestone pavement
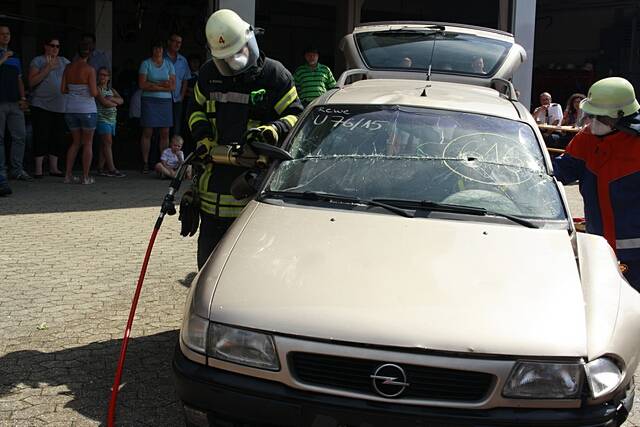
(70, 257)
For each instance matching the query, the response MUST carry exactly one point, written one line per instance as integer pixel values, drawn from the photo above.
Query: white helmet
(232, 42)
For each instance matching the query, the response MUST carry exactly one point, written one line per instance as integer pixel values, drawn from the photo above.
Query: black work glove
(204, 147)
(265, 133)
(189, 214)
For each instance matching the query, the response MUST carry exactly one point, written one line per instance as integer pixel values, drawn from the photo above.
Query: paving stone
(19, 394)
(33, 411)
(80, 282)
(12, 405)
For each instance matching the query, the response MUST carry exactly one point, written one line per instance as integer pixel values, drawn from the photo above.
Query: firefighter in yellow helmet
(238, 89)
(605, 158)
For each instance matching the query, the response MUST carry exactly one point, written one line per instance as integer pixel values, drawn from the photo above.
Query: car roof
(440, 95)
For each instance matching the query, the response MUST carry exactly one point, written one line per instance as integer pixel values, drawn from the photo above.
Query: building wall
(31, 20)
(134, 27)
(103, 18)
(562, 39)
(579, 42)
(290, 26)
(478, 12)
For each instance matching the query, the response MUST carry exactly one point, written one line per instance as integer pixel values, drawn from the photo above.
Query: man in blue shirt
(12, 105)
(97, 58)
(183, 74)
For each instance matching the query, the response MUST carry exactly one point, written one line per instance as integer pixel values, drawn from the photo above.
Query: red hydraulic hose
(125, 339)
(167, 208)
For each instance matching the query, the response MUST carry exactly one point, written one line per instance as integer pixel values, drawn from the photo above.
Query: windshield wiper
(320, 195)
(443, 207)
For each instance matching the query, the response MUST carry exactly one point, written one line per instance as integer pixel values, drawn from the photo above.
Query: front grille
(350, 374)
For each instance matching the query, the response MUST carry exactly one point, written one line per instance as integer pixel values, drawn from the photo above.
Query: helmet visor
(239, 61)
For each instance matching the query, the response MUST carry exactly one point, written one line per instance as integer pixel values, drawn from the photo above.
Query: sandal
(115, 174)
(72, 180)
(145, 168)
(88, 180)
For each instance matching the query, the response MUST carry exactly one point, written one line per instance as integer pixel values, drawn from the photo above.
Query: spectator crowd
(71, 107)
(560, 125)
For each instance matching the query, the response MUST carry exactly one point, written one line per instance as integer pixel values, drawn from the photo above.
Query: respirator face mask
(238, 61)
(598, 128)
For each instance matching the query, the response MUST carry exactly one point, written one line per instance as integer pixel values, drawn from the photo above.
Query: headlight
(603, 376)
(539, 380)
(194, 332)
(242, 346)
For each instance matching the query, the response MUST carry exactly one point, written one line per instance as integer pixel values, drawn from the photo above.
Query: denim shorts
(105, 128)
(81, 120)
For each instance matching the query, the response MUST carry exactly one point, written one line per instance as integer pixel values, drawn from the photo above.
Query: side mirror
(271, 151)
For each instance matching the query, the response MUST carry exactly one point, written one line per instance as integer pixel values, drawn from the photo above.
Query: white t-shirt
(171, 159)
(550, 115)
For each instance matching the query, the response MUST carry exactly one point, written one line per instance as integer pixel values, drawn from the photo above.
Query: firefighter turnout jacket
(608, 170)
(224, 108)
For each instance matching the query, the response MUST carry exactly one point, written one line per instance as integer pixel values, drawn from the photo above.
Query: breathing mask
(239, 60)
(598, 128)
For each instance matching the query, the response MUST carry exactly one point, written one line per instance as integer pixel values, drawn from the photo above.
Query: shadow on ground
(50, 194)
(86, 374)
(188, 279)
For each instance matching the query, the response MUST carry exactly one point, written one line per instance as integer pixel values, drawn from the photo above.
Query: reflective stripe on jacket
(225, 107)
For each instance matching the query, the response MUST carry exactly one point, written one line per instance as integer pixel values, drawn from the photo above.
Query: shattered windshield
(405, 153)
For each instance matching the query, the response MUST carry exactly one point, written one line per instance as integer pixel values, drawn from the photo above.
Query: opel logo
(389, 380)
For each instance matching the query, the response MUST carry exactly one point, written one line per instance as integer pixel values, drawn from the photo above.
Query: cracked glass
(396, 152)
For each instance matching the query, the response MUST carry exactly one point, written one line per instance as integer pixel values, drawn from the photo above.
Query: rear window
(453, 53)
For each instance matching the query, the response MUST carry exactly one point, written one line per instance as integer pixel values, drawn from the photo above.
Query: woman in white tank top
(79, 87)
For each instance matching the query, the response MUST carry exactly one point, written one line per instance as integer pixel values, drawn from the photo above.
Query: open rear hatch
(452, 52)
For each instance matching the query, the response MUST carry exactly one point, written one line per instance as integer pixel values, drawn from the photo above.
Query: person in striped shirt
(312, 79)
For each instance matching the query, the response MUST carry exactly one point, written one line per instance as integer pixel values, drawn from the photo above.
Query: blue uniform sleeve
(568, 169)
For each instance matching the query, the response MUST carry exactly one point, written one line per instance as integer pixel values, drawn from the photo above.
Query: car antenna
(438, 29)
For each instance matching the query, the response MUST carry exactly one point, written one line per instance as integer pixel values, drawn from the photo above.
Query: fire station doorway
(292, 25)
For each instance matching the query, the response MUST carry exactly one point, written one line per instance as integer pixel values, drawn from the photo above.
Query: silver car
(414, 263)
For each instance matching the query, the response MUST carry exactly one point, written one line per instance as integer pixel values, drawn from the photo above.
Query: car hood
(380, 279)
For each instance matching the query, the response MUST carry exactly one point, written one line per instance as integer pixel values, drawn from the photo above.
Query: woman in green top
(107, 101)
